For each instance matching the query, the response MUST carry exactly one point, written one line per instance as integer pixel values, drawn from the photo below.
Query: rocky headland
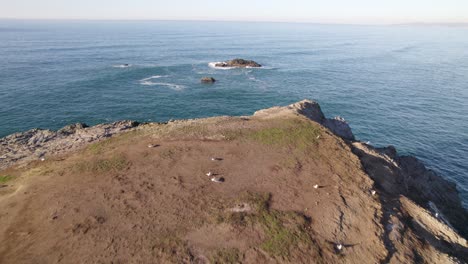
(296, 188)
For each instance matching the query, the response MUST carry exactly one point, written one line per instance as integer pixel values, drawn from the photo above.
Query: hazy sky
(335, 11)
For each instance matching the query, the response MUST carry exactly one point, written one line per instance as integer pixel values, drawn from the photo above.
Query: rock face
(396, 175)
(208, 80)
(239, 63)
(407, 176)
(312, 110)
(39, 143)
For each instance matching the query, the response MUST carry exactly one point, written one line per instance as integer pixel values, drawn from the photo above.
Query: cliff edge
(286, 185)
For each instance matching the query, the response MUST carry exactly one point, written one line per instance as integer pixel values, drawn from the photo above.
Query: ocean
(402, 85)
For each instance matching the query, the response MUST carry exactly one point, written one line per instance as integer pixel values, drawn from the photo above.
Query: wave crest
(148, 82)
(122, 66)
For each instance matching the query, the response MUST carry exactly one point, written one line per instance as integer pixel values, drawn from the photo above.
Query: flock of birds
(217, 179)
(213, 176)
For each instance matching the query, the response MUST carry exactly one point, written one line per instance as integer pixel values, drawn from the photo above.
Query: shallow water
(400, 85)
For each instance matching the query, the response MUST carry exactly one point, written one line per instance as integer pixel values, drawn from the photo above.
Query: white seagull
(217, 179)
(316, 186)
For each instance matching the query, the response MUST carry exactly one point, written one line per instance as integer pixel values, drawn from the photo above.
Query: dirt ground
(290, 192)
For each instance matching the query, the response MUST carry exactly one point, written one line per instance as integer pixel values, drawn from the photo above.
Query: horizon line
(240, 20)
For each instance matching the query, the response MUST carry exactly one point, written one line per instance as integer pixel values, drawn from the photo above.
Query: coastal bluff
(297, 187)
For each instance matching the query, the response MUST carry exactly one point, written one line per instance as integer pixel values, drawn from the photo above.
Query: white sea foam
(148, 82)
(213, 65)
(122, 66)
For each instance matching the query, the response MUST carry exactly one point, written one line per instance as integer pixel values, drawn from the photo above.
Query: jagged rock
(239, 63)
(311, 110)
(208, 80)
(406, 175)
(70, 129)
(35, 143)
(340, 127)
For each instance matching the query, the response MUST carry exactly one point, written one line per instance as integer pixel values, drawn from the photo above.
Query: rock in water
(239, 63)
(208, 80)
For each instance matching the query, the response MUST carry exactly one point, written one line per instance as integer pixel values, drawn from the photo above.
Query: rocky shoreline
(39, 144)
(402, 182)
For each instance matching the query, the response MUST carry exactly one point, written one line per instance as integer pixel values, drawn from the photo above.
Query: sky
(319, 11)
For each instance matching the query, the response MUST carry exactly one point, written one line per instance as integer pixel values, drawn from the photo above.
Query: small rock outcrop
(37, 143)
(311, 109)
(239, 63)
(208, 80)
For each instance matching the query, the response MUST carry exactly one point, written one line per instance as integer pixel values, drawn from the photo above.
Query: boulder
(208, 80)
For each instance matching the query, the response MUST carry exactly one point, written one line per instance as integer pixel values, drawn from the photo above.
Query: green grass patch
(284, 231)
(290, 132)
(101, 146)
(226, 256)
(5, 178)
(98, 147)
(115, 163)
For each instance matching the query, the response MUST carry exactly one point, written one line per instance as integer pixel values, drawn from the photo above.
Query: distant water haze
(400, 85)
(319, 11)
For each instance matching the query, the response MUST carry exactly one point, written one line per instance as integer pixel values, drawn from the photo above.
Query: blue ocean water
(400, 85)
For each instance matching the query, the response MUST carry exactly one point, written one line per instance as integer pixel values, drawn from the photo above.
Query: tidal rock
(208, 80)
(239, 63)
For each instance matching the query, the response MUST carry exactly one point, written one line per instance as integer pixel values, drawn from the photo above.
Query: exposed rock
(239, 63)
(311, 110)
(208, 80)
(340, 127)
(71, 129)
(396, 175)
(406, 175)
(36, 143)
